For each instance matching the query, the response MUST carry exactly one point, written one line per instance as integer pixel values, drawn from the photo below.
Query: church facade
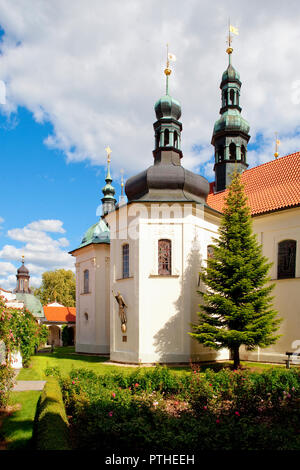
(137, 268)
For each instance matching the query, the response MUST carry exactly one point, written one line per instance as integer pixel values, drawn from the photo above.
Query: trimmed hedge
(51, 428)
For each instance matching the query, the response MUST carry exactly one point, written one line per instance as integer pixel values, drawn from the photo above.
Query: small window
(86, 281)
(286, 259)
(243, 153)
(86, 316)
(157, 138)
(232, 151)
(125, 261)
(175, 140)
(231, 96)
(167, 137)
(164, 257)
(210, 251)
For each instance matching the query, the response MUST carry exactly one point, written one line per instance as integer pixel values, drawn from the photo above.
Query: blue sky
(78, 79)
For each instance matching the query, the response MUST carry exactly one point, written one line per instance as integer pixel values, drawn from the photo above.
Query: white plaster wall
(92, 333)
(124, 351)
(160, 308)
(271, 229)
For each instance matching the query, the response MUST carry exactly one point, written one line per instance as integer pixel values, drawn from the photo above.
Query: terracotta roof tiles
(271, 186)
(60, 314)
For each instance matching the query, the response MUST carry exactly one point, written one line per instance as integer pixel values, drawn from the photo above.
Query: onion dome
(233, 121)
(230, 74)
(97, 233)
(167, 107)
(23, 270)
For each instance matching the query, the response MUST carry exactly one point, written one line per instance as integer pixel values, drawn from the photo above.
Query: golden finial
(233, 30)
(277, 142)
(23, 259)
(108, 151)
(168, 71)
(122, 182)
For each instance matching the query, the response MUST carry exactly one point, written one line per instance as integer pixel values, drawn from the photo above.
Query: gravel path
(26, 385)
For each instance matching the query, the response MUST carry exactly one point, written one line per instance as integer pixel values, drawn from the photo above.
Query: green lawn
(65, 359)
(17, 427)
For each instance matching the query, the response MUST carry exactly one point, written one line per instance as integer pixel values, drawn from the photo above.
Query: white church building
(137, 268)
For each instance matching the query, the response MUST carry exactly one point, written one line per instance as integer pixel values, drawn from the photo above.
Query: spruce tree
(237, 308)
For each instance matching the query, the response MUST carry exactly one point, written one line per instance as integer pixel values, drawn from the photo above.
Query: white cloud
(42, 252)
(47, 226)
(6, 268)
(95, 71)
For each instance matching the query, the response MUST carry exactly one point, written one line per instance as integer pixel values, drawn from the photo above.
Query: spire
(108, 201)
(231, 130)
(168, 111)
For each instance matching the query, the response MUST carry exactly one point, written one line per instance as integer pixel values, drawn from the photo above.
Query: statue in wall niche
(122, 314)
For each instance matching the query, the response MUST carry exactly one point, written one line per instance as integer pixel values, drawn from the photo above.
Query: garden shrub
(158, 410)
(51, 429)
(6, 384)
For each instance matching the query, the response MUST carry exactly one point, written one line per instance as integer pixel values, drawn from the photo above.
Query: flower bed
(156, 410)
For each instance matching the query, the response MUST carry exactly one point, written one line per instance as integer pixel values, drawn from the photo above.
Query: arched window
(86, 282)
(167, 137)
(225, 98)
(286, 267)
(243, 153)
(231, 94)
(125, 261)
(210, 251)
(164, 257)
(232, 151)
(175, 140)
(157, 137)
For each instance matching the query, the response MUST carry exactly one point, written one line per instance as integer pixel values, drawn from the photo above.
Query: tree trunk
(236, 357)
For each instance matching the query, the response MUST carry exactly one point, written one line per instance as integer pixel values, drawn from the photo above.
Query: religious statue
(122, 314)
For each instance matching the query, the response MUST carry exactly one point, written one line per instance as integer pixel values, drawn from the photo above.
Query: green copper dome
(97, 233)
(167, 107)
(231, 120)
(230, 74)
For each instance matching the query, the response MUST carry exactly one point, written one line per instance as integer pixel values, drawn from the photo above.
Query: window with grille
(86, 281)
(164, 257)
(286, 259)
(125, 261)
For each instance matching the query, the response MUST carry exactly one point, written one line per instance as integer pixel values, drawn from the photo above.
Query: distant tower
(22, 280)
(108, 201)
(231, 130)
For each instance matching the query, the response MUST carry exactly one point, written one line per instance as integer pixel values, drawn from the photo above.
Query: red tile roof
(271, 186)
(60, 314)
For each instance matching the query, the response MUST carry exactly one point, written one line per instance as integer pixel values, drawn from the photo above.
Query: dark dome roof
(167, 107)
(167, 182)
(23, 270)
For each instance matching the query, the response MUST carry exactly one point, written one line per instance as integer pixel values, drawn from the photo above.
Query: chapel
(137, 267)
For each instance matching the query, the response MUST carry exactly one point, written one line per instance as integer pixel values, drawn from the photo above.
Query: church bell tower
(22, 280)
(231, 130)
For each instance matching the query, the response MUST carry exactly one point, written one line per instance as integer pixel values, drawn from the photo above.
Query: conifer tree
(237, 308)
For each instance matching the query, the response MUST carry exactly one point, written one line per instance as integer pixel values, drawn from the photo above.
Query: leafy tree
(57, 286)
(237, 308)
